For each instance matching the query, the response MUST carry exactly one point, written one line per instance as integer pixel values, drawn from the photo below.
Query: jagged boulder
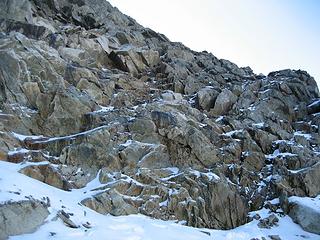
(134, 60)
(206, 98)
(110, 202)
(16, 10)
(201, 199)
(305, 182)
(224, 102)
(142, 155)
(21, 217)
(48, 175)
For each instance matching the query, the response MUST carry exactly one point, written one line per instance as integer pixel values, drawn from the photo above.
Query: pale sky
(266, 35)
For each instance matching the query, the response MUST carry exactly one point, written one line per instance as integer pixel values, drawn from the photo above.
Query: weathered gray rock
(30, 30)
(206, 98)
(134, 60)
(48, 175)
(16, 10)
(224, 102)
(268, 222)
(142, 155)
(305, 182)
(65, 217)
(307, 217)
(90, 91)
(110, 202)
(21, 217)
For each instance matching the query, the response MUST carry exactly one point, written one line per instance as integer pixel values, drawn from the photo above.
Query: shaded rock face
(21, 217)
(182, 197)
(87, 93)
(48, 175)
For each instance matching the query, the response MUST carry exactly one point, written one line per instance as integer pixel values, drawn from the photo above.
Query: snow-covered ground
(16, 186)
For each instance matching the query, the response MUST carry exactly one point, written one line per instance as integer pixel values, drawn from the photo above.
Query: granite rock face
(21, 217)
(86, 92)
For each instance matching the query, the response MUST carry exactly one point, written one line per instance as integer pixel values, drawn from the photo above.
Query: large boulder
(21, 217)
(305, 182)
(47, 174)
(206, 98)
(224, 102)
(134, 60)
(18, 10)
(144, 155)
(30, 30)
(306, 213)
(110, 202)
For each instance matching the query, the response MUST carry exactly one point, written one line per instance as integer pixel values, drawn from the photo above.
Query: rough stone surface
(224, 102)
(48, 175)
(21, 217)
(307, 217)
(171, 133)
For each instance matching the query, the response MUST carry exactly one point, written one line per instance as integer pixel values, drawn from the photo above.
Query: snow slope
(16, 186)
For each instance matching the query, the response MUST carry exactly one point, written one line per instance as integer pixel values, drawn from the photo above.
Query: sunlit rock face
(88, 93)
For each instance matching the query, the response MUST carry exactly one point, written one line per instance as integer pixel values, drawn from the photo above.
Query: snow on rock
(259, 125)
(22, 137)
(306, 212)
(104, 109)
(277, 153)
(313, 203)
(315, 103)
(231, 133)
(305, 135)
(92, 225)
(210, 175)
(114, 106)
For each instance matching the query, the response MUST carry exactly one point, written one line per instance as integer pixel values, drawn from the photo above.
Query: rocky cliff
(171, 133)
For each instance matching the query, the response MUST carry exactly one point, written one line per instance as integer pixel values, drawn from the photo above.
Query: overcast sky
(266, 35)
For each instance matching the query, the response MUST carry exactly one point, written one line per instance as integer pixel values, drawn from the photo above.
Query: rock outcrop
(21, 217)
(307, 216)
(86, 92)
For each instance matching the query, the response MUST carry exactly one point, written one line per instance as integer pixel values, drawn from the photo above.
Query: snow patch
(219, 119)
(229, 134)
(277, 153)
(258, 125)
(104, 109)
(22, 137)
(315, 103)
(305, 135)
